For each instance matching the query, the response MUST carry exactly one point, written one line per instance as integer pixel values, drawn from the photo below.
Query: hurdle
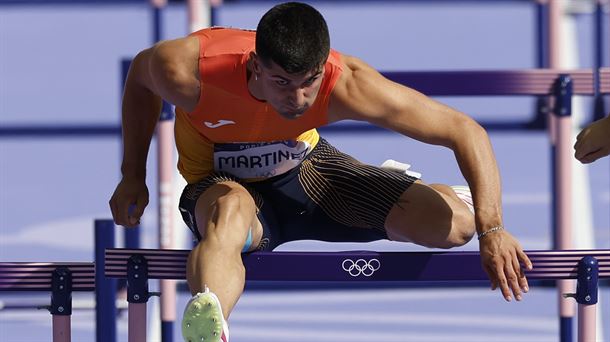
(61, 279)
(140, 265)
(604, 83)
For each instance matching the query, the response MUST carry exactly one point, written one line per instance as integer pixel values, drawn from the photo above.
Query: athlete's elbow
(465, 129)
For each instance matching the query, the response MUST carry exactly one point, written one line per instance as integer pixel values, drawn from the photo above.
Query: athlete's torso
(230, 130)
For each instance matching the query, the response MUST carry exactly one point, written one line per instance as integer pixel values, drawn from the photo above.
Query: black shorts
(329, 197)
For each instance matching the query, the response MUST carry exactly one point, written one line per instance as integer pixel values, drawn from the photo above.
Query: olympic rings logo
(361, 267)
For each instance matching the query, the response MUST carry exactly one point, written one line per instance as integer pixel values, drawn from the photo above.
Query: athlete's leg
(364, 196)
(432, 216)
(224, 213)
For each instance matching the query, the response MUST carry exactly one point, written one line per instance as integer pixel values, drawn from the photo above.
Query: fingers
(137, 211)
(593, 156)
(120, 209)
(113, 209)
(502, 282)
(492, 277)
(524, 259)
(507, 274)
(128, 202)
(585, 152)
(118, 213)
(520, 275)
(582, 134)
(508, 280)
(582, 148)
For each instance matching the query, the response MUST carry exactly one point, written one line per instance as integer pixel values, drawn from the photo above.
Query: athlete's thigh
(355, 198)
(426, 216)
(198, 199)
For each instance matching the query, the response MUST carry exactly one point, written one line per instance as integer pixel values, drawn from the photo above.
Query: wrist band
(490, 231)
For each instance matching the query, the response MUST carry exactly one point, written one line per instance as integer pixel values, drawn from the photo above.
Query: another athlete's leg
(432, 216)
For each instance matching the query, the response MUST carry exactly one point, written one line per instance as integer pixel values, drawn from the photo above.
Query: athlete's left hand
(501, 255)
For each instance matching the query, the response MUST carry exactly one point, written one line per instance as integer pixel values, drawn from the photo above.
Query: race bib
(259, 160)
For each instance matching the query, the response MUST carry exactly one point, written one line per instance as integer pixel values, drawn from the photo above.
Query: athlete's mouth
(292, 111)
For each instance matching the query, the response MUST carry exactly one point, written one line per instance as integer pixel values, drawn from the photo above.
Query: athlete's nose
(297, 98)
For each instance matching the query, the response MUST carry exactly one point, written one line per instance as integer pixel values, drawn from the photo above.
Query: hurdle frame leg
(61, 304)
(562, 193)
(586, 297)
(587, 325)
(136, 331)
(62, 328)
(137, 296)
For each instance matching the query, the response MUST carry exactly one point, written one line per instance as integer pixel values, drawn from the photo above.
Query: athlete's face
(289, 94)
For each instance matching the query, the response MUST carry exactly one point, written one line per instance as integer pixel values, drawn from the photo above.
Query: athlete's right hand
(128, 202)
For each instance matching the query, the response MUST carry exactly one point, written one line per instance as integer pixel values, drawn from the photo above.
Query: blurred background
(62, 64)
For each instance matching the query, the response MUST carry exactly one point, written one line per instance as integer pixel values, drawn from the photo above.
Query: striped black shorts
(329, 197)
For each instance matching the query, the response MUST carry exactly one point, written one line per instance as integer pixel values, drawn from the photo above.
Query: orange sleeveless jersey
(230, 130)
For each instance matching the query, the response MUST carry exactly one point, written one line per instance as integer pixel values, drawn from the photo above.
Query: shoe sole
(202, 319)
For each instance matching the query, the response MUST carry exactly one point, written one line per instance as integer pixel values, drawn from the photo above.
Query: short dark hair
(294, 36)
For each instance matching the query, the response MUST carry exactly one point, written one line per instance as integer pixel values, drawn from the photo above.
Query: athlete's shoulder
(175, 50)
(335, 58)
(223, 31)
(223, 40)
(173, 66)
(351, 67)
(351, 63)
(357, 76)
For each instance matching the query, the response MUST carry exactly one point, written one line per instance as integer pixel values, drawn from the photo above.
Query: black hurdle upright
(137, 296)
(586, 296)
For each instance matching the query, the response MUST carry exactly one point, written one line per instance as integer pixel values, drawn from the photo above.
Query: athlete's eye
(281, 82)
(310, 81)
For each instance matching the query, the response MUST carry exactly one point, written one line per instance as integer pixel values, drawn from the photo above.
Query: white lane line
(334, 297)
(360, 320)
(349, 335)
(84, 320)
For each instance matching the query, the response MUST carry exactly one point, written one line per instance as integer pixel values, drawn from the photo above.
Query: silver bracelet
(490, 231)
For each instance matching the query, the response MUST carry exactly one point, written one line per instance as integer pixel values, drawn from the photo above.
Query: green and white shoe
(203, 321)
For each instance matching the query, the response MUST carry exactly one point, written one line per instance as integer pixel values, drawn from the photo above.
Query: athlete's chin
(292, 114)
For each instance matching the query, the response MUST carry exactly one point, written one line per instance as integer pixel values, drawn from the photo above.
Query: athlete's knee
(234, 202)
(228, 219)
(462, 228)
(462, 219)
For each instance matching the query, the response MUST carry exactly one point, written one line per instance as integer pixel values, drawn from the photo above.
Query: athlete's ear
(256, 64)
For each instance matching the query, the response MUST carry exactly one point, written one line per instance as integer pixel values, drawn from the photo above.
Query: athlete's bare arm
(364, 94)
(168, 70)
